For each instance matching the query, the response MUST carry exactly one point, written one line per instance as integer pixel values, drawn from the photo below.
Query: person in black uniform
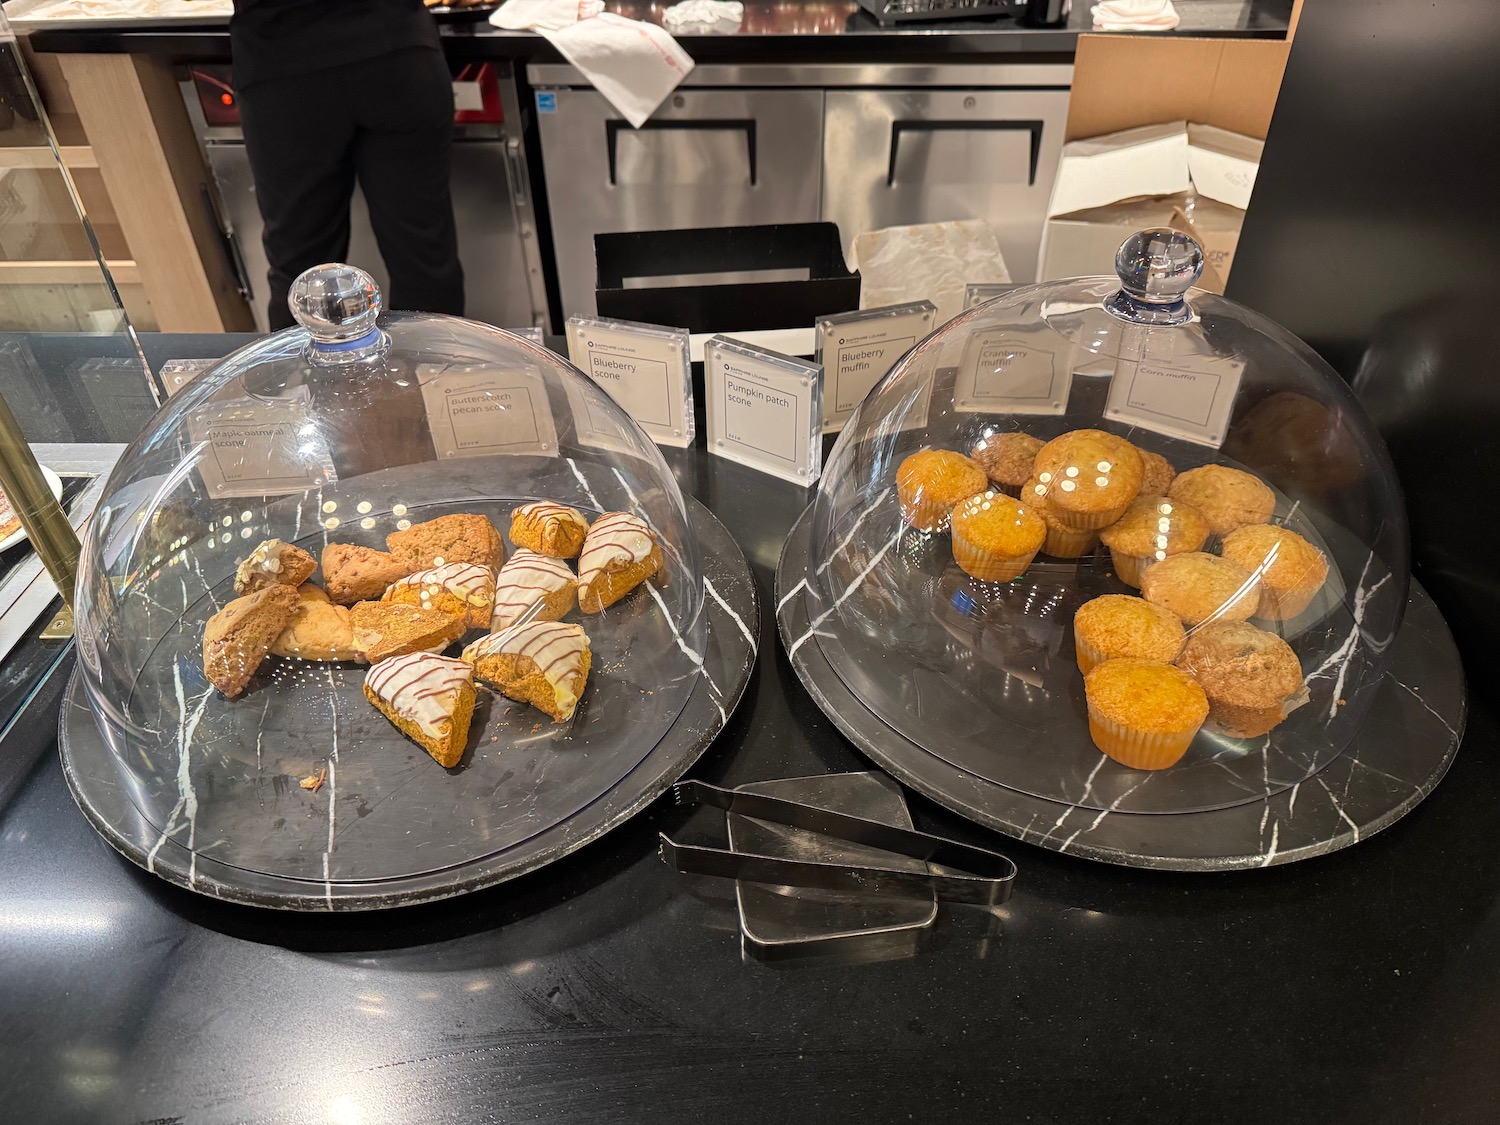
(331, 91)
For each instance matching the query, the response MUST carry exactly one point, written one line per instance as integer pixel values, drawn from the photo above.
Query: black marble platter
(1405, 745)
(105, 789)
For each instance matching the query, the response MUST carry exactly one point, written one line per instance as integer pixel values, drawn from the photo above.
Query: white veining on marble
(1344, 654)
(183, 580)
(1291, 807)
(727, 608)
(187, 798)
(853, 530)
(1098, 820)
(260, 730)
(1271, 851)
(297, 525)
(1447, 726)
(327, 880)
(715, 696)
(1338, 808)
(1088, 786)
(852, 587)
(587, 491)
(333, 707)
(333, 770)
(789, 595)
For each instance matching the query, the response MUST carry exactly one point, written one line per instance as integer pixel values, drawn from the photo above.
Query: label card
(251, 447)
(1188, 397)
(644, 368)
(476, 411)
(178, 373)
(978, 292)
(1007, 371)
(764, 409)
(858, 349)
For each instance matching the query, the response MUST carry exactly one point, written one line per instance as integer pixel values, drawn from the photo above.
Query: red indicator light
(226, 99)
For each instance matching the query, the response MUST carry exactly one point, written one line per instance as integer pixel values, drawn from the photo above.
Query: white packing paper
(930, 262)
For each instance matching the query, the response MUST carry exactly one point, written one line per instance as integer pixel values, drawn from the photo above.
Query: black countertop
(1360, 986)
(773, 31)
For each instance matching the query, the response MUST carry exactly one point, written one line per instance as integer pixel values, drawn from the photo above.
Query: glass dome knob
(1156, 268)
(338, 305)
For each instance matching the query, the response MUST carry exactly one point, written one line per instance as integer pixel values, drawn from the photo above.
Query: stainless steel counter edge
(841, 75)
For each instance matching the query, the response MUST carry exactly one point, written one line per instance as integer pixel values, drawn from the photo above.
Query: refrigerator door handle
(917, 130)
(613, 128)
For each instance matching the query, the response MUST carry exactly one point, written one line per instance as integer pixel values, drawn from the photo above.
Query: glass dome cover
(343, 430)
(932, 612)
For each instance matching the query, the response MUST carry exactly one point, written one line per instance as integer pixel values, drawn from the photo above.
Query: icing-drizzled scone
(385, 629)
(543, 663)
(619, 554)
(430, 699)
(548, 529)
(273, 563)
(319, 629)
(463, 588)
(530, 580)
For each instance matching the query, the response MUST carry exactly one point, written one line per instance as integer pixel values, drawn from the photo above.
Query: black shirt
(282, 38)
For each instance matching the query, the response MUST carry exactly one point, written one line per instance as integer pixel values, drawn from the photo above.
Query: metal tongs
(971, 875)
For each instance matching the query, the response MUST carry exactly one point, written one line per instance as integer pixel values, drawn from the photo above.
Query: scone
(357, 574)
(619, 554)
(237, 638)
(932, 482)
(1290, 570)
(1199, 587)
(1157, 473)
(1227, 498)
(1116, 625)
(383, 630)
(1252, 678)
(533, 587)
(448, 539)
(543, 663)
(430, 699)
(1143, 714)
(548, 529)
(1007, 459)
(464, 588)
(273, 563)
(319, 630)
(1092, 477)
(1152, 528)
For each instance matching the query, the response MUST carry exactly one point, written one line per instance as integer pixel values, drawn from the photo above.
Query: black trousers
(387, 122)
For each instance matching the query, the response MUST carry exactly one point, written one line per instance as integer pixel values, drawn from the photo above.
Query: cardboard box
(1083, 244)
(1149, 160)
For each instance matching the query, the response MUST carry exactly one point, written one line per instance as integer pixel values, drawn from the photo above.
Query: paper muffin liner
(1087, 521)
(1130, 568)
(1068, 543)
(924, 513)
(1088, 655)
(987, 565)
(1138, 750)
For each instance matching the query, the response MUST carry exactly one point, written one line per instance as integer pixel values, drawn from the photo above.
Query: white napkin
(711, 13)
(1135, 15)
(634, 65)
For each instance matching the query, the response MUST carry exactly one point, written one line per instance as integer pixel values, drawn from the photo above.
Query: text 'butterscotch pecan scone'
(532, 587)
(273, 563)
(383, 629)
(543, 663)
(619, 554)
(430, 699)
(319, 630)
(548, 529)
(464, 588)
(237, 638)
(357, 574)
(448, 539)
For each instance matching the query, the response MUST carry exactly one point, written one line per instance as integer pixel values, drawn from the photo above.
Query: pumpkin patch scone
(358, 574)
(386, 629)
(543, 663)
(430, 699)
(319, 630)
(548, 529)
(448, 539)
(619, 554)
(273, 563)
(237, 638)
(463, 588)
(533, 587)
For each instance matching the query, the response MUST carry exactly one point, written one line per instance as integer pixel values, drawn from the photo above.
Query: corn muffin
(1117, 625)
(1151, 529)
(995, 536)
(1091, 477)
(1290, 570)
(1227, 498)
(1199, 587)
(1143, 714)
(1251, 677)
(1007, 459)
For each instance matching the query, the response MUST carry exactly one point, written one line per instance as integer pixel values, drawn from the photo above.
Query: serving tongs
(969, 875)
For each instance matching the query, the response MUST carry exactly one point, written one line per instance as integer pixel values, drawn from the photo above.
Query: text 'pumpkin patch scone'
(1091, 476)
(1143, 714)
(619, 554)
(548, 529)
(932, 482)
(448, 539)
(543, 663)
(386, 629)
(1198, 587)
(532, 587)
(319, 630)
(428, 698)
(1252, 678)
(357, 574)
(1227, 498)
(237, 638)
(463, 588)
(1290, 570)
(995, 536)
(273, 563)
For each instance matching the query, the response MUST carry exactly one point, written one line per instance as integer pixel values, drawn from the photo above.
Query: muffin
(1227, 498)
(995, 536)
(1199, 587)
(1291, 570)
(1157, 474)
(1143, 714)
(1252, 678)
(1007, 459)
(1063, 540)
(931, 483)
(1151, 529)
(1091, 476)
(1118, 625)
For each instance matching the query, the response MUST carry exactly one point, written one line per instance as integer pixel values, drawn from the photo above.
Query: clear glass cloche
(1123, 471)
(350, 429)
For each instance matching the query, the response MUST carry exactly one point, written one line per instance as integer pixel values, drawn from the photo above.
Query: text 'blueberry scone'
(619, 554)
(543, 663)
